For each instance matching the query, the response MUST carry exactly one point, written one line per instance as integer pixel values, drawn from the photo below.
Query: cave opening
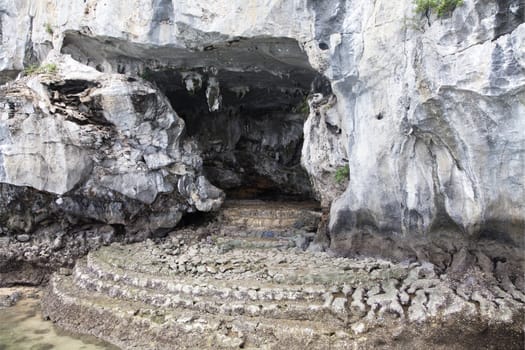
(244, 102)
(249, 127)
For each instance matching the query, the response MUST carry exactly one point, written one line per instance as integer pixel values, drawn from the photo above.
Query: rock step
(377, 287)
(275, 206)
(270, 215)
(169, 292)
(148, 327)
(273, 242)
(304, 275)
(203, 300)
(234, 289)
(272, 222)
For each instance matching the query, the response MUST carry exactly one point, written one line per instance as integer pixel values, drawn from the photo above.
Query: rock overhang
(260, 53)
(104, 147)
(259, 84)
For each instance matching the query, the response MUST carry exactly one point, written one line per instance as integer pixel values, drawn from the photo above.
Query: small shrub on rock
(50, 68)
(442, 7)
(342, 174)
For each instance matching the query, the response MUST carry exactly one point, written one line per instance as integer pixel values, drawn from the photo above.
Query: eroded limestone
(188, 287)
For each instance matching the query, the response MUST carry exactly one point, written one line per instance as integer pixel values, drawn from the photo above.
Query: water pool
(22, 327)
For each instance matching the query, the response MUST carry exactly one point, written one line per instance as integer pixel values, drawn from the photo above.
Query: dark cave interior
(249, 126)
(243, 100)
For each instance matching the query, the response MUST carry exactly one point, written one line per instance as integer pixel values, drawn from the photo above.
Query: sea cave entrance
(244, 101)
(248, 122)
(249, 127)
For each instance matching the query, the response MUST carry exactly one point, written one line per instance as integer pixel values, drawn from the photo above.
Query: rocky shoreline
(24, 328)
(238, 291)
(267, 174)
(259, 276)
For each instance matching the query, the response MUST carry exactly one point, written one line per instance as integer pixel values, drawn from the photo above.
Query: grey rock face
(433, 104)
(323, 152)
(100, 147)
(427, 113)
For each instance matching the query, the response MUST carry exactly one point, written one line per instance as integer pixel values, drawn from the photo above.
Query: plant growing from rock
(49, 29)
(146, 74)
(49, 68)
(442, 7)
(303, 107)
(342, 174)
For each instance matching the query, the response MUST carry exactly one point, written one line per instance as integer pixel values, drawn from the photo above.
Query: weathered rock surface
(427, 112)
(108, 134)
(434, 112)
(79, 146)
(9, 297)
(280, 216)
(247, 292)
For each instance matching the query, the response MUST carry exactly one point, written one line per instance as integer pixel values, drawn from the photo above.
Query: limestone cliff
(154, 99)
(434, 108)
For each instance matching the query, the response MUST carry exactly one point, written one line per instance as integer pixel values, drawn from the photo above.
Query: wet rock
(10, 299)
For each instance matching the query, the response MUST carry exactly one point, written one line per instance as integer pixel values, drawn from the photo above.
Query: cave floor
(226, 286)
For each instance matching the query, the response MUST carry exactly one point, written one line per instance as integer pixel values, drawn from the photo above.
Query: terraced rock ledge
(254, 291)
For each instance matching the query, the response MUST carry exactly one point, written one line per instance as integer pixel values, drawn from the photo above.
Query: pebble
(328, 298)
(23, 238)
(11, 299)
(359, 328)
(339, 305)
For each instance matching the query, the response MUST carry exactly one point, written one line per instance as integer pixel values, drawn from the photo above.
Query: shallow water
(23, 328)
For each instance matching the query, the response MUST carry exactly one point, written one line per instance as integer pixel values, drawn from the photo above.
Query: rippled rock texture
(249, 292)
(435, 112)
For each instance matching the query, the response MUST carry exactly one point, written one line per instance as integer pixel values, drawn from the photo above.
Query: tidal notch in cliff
(243, 101)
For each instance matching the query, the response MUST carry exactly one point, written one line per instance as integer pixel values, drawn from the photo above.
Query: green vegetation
(342, 174)
(304, 108)
(49, 29)
(146, 74)
(50, 68)
(442, 7)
